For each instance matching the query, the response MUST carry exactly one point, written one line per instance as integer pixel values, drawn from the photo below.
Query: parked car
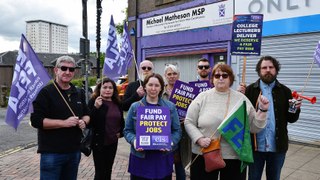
(122, 84)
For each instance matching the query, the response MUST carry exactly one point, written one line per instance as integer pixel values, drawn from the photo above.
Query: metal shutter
(186, 64)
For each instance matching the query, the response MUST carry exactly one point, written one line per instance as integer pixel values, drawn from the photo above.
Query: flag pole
(307, 79)
(191, 162)
(136, 65)
(243, 76)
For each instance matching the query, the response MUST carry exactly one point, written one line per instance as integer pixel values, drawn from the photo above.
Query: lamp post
(99, 12)
(85, 44)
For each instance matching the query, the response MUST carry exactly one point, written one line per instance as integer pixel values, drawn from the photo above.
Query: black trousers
(103, 158)
(231, 171)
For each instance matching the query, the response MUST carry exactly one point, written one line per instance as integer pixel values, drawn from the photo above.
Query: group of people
(61, 113)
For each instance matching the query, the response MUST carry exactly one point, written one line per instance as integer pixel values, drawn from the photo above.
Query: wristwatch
(263, 110)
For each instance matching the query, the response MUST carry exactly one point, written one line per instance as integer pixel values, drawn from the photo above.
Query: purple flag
(111, 62)
(28, 79)
(126, 54)
(317, 54)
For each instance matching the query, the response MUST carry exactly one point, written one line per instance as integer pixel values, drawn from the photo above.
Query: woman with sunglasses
(206, 113)
(151, 164)
(107, 123)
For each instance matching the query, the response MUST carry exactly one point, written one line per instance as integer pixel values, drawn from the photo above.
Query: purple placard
(317, 54)
(246, 34)
(203, 85)
(182, 96)
(153, 128)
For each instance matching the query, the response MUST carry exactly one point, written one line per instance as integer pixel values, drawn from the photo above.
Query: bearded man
(271, 144)
(203, 69)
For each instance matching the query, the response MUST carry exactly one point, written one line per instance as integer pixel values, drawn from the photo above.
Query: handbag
(212, 156)
(85, 144)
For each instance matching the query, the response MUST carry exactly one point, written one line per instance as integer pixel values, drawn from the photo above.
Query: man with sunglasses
(60, 113)
(203, 69)
(135, 91)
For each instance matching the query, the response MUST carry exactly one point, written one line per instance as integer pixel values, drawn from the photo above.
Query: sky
(15, 13)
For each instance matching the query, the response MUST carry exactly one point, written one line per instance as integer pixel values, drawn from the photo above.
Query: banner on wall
(215, 14)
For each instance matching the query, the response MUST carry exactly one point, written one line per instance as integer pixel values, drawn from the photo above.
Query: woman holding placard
(147, 159)
(182, 155)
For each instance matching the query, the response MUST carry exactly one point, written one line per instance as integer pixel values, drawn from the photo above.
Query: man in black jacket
(135, 91)
(60, 113)
(271, 144)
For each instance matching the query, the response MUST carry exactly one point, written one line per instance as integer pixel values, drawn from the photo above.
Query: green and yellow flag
(235, 130)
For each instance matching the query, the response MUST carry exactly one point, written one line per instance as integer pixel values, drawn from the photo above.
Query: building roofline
(39, 20)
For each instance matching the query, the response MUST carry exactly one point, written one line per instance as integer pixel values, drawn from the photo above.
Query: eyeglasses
(65, 68)
(203, 67)
(224, 76)
(144, 68)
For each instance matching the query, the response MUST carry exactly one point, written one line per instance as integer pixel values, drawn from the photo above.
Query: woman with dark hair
(107, 122)
(151, 164)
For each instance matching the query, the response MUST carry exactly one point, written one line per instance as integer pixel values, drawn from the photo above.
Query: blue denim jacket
(130, 125)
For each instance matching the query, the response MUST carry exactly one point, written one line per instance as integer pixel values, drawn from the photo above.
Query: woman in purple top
(107, 122)
(151, 164)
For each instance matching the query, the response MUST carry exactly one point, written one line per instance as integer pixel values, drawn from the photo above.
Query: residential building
(47, 37)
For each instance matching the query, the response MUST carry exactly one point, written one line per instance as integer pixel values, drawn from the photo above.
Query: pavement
(302, 163)
(22, 162)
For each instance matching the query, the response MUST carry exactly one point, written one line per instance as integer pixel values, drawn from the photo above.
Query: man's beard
(204, 75)
(268, 78)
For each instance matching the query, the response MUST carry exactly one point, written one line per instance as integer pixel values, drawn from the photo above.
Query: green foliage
(119, 28)
(4, 101)
(78, 82)
(102, 56)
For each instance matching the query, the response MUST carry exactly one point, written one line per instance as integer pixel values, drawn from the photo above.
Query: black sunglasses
(205, 67)
(144, 68)
(64, 68)
(224, 76)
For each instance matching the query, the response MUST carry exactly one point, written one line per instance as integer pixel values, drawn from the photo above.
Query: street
(12, 140)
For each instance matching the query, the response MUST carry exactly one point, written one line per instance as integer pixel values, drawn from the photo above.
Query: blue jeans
(274, 162)
(59, 166)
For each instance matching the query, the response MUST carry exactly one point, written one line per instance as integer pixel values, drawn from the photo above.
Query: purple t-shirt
(112, 124)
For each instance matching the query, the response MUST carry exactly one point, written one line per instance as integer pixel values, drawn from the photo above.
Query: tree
(119, 26)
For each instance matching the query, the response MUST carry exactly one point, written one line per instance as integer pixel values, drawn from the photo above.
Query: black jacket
(131, 95)
(281, 95)
(49, 104)
(97, 122)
